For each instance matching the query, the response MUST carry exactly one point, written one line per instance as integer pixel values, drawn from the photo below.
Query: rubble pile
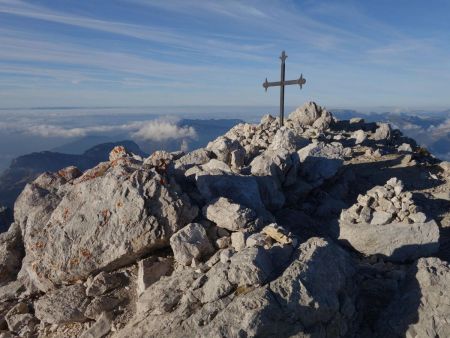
(385, 204)
(319, 228)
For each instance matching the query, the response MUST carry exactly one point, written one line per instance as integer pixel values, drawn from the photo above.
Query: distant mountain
(27, 167)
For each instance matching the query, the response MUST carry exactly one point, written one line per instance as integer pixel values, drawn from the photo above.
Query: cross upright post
(300, 81)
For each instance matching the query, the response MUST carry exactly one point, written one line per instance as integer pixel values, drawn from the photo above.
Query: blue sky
(182, 52)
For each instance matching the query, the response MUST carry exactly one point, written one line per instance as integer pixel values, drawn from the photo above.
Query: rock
(228, 215)
(381, 218)
(160, 159)
(286, 139)
(100, 328)
(223, 242)
(420, 307)
(150, 270)
(222, 147)
(383, 132)
(238, 240)
(70, 173)
(105, 282)
(21, 321)
(418, 217)
(225, 255)
(215, 165)
(217, 285)
(109, 221)
(195, 157)
(243, 190)
(190, 242)
(63, 305)
(310, 114)
(280, 164)
(310, 288)
(101, 304)
(237, 160)
(258, 239)
(118, 152)
(277, 233)
(320, 161)
(251, 266)
(399, 242)
(356, 120)
(445, 165)
(405, 147)
(11, 254)
(359, 136)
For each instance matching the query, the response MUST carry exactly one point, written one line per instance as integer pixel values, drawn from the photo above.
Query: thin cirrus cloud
(210, 51)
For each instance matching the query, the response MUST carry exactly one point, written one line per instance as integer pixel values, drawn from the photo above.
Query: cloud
(153, 130)
(159, 130)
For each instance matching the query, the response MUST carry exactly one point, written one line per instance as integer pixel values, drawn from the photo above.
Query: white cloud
(159, 130)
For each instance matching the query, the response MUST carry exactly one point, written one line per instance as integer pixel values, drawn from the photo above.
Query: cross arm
(300, 81)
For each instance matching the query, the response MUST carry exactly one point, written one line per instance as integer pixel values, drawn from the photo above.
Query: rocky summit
(319, 228)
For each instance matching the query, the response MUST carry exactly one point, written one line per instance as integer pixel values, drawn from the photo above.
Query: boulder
(190, 243)
(359, 136)
(398, 242)
(405, 147)
(106, 221)
(222, 147)
(240, 189)
(104, 282)
(20, 320)
(195, 157)
(228, 215)
(311, 114)
(420, 308)
(11, 254)
(63, 305)
(320, 161)
(310, 288)
(383, 132)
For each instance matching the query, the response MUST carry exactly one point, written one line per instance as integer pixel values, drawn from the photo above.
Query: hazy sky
(183, 52)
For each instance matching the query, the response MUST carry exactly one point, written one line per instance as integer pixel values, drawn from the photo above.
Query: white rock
(189, 243)
(228, 215)
(381, 217)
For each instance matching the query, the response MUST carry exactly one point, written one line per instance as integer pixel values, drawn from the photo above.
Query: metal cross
(300, 81)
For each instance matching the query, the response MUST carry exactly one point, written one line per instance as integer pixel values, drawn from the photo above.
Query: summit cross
(300, 81)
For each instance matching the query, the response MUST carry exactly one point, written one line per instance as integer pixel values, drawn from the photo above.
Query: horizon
(191, 53)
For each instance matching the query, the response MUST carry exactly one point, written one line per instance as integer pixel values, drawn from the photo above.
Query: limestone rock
(320, 161)
(11, 254)
(101, 327)
(150, 270)
(190, 242)
(359, 136)
(107, 221)
(421, 307)
(222, 147)
(228, 215)
(383, 132)
(310, 114)
(405, 147)
(399, 242)
(105, 282)
(63, 305)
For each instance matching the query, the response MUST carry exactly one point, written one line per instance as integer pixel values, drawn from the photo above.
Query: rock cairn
(385, 204)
